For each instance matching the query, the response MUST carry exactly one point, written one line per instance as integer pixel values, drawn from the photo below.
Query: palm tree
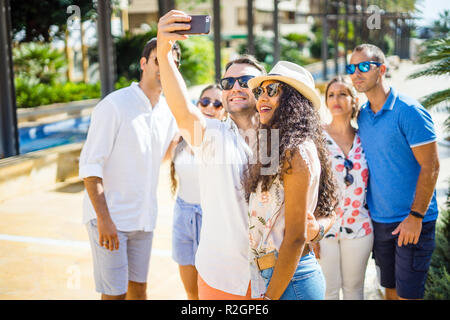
(436, 54)
(441, 26)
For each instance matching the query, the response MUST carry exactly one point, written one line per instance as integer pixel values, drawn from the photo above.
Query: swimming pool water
(53, 134)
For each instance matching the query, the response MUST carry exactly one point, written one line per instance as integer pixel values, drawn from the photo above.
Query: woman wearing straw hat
(281, 262)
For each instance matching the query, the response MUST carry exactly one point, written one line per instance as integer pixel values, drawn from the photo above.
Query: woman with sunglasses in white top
(187, 219)
(281, 197)
(345, 249)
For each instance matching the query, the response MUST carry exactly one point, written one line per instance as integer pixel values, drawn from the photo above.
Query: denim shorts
(404, 268)
(308, 282)
(187, 222)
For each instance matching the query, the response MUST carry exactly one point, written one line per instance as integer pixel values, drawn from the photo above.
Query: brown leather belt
(268, 260)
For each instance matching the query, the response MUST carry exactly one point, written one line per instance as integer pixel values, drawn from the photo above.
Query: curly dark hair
(296, 120)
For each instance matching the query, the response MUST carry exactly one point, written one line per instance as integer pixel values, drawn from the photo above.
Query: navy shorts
(404, 268)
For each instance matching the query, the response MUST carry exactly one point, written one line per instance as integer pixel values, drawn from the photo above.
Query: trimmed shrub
(39, 61)
(31, 93)
(437, 286)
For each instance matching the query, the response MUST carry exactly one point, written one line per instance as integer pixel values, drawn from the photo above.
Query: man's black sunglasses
(228, 83)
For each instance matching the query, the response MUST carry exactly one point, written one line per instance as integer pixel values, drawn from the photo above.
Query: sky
(431, 9)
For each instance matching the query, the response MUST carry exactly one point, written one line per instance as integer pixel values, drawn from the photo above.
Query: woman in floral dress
(346, 247)
(282, 195)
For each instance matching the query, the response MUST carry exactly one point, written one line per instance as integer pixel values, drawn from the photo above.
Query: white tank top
(187, 172)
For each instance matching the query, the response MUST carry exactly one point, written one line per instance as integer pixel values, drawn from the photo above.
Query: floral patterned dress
(352, 174)
(266, 216)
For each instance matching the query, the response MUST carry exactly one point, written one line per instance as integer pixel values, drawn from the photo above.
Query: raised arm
(189, 119)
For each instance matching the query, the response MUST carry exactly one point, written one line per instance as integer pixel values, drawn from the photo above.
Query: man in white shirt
(222, 255)
(130, 132)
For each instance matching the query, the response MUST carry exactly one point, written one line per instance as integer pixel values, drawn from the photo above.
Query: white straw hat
(294, 75)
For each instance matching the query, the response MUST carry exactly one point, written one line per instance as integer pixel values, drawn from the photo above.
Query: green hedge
(31, 93)
(438, 282)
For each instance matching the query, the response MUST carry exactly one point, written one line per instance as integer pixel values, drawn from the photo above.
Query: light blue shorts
(113, 269)
(308, 282)
(187, 222)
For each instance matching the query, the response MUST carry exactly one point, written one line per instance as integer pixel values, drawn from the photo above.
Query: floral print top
(352, 174)
(266, 216)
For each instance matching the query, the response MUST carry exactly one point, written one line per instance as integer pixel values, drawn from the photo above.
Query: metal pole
(276, 33)
(380, 33)
(9, 140)
(404, 40)
(217, 38)
(364, 29)
(346, 32)
(250, 38)
(361, 22)
(355, 23)
(408, 40)
(105, 47)
(165, 6)
(336, 42)
(396, 44)
(324, 41)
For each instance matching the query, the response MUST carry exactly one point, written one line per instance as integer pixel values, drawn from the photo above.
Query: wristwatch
(320, 234)
(416, 214)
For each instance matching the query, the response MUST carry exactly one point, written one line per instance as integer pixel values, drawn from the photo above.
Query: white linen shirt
(186, 168)
(222, 254)
(126, 142)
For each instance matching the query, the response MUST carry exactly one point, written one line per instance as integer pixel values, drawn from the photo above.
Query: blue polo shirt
(387, 138)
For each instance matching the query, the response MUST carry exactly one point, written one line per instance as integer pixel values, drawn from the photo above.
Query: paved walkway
(44, 248)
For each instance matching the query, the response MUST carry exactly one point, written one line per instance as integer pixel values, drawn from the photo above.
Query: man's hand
(315, 246)
(408, 230)
(107, 234)
(312, 227)
(312, 231)
(106, 227)
(168, 25)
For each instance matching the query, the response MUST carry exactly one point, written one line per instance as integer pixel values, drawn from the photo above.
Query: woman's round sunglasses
(204, 102)
(362, 66)
(272, 90)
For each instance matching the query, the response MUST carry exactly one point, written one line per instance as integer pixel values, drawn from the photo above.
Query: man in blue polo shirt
(399, 142)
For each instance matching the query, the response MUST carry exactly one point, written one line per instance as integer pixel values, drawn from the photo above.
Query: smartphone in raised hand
(200, 24)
